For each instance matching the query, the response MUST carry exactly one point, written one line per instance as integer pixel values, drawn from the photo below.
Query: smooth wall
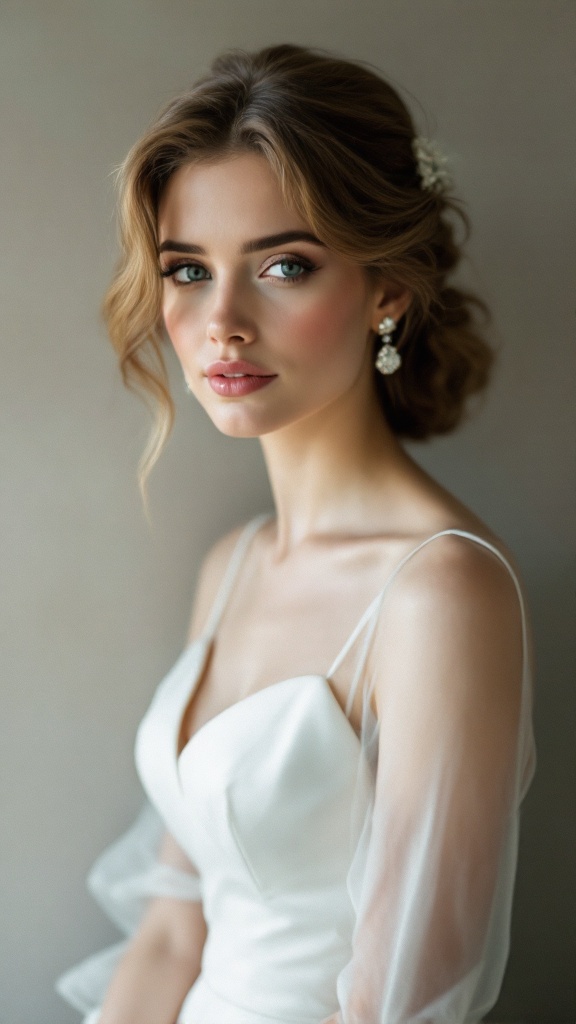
(95, 602)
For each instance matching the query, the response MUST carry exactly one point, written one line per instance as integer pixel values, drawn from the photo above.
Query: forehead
(235, 197)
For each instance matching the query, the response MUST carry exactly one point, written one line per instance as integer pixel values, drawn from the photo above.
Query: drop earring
(388, 359)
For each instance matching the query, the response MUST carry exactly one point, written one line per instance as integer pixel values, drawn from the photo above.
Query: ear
(390, 299)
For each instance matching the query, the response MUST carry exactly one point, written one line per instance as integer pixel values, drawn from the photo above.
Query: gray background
(95, 602)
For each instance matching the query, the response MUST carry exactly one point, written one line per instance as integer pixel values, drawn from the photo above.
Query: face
(269, 325)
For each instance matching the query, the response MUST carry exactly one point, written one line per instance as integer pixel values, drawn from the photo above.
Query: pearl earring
(388, 359)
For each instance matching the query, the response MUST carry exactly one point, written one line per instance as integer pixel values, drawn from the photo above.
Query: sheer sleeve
(123, 881)
(449, 753)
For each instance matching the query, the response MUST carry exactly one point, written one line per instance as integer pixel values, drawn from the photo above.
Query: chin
(237, 419)
(234, 423)
(230, 431)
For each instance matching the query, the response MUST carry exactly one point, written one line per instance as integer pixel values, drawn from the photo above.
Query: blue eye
(289, 268)
(190, 272)
(186, 273)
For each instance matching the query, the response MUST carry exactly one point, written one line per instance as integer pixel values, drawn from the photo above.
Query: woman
(339, 830)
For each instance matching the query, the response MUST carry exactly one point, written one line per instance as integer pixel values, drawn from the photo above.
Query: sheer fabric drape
(122, 881)
(432, 873)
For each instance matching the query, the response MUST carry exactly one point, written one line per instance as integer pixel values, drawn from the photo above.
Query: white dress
(276, 803)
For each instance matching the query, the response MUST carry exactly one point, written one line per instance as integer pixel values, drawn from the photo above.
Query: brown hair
(340, 140)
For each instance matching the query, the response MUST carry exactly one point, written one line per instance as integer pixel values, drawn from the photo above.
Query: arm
(163, 958)
(446, 675)
(211, 576)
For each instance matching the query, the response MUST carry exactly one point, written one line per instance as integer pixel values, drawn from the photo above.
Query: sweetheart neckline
(206, 641)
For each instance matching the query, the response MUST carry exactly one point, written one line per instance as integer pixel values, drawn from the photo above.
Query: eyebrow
(257, 244)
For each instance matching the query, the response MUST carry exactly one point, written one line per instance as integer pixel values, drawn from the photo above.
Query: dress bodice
(260, 800)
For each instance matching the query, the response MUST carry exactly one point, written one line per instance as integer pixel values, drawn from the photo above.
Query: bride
(334, 766)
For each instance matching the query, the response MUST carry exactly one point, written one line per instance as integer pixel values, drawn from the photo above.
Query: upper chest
(288, 619)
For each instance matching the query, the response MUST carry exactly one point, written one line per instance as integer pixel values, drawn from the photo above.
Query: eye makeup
(288, 260)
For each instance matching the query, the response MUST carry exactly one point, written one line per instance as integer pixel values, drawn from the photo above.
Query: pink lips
(234, 378)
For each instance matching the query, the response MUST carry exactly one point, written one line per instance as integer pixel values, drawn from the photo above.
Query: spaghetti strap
(370, 616)
(232, 570)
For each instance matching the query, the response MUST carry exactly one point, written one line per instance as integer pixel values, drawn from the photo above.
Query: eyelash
(300, 261)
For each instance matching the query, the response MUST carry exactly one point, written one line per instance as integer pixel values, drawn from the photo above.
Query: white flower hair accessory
(432, 165)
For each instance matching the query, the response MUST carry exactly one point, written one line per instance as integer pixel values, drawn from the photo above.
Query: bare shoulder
(457, 564)
(458, 571)
(452, 616)
(211, 574)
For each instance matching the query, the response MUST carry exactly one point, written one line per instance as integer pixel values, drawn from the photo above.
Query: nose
(229, 321)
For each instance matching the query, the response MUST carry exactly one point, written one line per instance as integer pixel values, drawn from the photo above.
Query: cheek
(177, 326)
(328, 326)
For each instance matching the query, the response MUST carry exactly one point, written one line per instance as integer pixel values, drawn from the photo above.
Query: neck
(332, 470)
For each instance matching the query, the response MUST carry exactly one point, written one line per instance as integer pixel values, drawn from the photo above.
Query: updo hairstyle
(339, 139)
